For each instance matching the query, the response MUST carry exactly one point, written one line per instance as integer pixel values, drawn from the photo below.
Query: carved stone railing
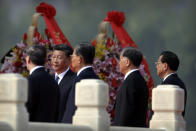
(13, 95)
(168, 105)
(91, 100)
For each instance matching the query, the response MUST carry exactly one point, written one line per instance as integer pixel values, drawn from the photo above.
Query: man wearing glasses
(167, 66)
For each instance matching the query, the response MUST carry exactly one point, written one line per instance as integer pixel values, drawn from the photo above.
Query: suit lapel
(65, 78)
(126, 81)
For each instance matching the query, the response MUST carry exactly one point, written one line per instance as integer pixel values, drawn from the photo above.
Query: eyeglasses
(157, 63)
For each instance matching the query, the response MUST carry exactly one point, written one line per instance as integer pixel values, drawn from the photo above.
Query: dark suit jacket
(175, 80)
(64, 90)
(132, 102)
(42, 97)
(70, 110)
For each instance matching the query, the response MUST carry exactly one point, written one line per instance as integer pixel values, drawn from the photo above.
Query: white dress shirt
(83, 68)
(61, 75)
(129, 72)
(167, 76)
(34, 68)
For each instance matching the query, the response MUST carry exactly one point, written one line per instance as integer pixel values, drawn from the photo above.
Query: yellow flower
(102, 76)
(25, 73)
(15, 50)
(100, 50)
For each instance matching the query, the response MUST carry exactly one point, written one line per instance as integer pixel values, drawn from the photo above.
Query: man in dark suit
(132, 98)
(42, 89)
(167, 65)
(64, 76)
(82, 60)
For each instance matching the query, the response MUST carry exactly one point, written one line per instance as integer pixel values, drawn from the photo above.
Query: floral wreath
(14, 60)
(107, 56)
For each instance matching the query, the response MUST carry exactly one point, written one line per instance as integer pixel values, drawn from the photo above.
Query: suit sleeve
(32, 95)
(128, 104)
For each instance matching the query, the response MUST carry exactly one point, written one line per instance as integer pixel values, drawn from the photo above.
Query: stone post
(91, 99)
(13, 95)
(168, 104)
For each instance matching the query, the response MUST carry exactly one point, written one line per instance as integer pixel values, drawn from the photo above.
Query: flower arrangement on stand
(14, 61)
(107, 67)
(107, 57)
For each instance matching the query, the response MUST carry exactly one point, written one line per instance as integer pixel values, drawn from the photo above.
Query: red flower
(94, 42)
(20, 55)
(112, 113)
(109, 42)
(115, 83)
(47, 33)
(46, 9)
(44, 41)
(104, 73)
(25, 36)
(38, 35)
(114, 62)
(18, 63)
(116, 17)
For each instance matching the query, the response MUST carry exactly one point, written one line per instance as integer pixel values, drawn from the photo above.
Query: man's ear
(127, 62)
(80, 59)
(28, 59)
(165, 66)
(28, 62)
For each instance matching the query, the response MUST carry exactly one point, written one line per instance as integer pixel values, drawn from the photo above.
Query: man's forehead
(123, 57)
(160, 57)
(58, 52)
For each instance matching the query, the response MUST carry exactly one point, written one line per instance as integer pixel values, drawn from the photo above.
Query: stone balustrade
(91, 100)
(38, 126)
(168, 105)
(13, 95)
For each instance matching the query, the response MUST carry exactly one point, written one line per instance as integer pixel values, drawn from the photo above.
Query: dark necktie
(57, 79)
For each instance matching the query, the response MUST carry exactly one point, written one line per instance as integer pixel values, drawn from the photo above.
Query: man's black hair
(65, 48)
(171, 59)
(134, 55)
(87, 51)
(37, 54)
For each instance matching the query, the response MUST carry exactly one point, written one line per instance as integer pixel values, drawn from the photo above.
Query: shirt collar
(61, 75)
(83, 68)
(168, 76)
(129, 72)
(34, 68)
